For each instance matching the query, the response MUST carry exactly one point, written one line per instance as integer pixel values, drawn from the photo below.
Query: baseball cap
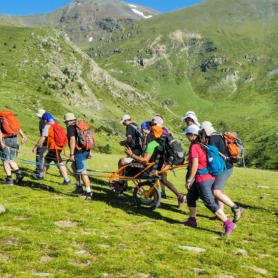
(194, 129)
(158, 119)
(124, 118)
(40, 112)
(145, 125)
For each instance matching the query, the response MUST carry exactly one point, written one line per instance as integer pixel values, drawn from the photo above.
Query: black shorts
(53, 155)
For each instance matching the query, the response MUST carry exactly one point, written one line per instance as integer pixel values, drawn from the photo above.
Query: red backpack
(9, 123)
(57, 137)
(85, 138)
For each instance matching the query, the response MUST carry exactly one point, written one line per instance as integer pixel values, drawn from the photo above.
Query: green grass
(47, 232)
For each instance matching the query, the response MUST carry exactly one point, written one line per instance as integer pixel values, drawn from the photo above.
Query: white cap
(40, 112)
(191, 115)
(208, 127)
(194, 129)
(124, 118)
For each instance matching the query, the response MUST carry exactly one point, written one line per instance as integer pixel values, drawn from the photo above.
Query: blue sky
(27, 7)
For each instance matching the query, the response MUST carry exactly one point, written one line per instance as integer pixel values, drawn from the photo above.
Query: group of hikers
(199, 182)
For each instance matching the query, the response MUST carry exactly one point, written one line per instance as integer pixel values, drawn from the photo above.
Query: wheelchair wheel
(145, 198)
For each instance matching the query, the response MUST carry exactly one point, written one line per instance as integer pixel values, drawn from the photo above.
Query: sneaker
(163, 195)
(66, 182)
(237, 213)
(19, 179)
(8, 181)
(229, 227)
(78, 190)
(89, 196)
(181, 200)
(190, 222)
(37, 176)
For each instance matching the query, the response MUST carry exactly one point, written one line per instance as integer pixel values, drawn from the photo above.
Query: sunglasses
(152, 124)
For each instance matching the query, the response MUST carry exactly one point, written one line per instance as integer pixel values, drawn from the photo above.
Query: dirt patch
(66, 224)
(10, 240)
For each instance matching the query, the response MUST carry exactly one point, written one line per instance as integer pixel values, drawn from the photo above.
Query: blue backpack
(216, 164)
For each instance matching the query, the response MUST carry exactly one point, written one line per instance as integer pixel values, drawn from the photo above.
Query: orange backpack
(9, 123)
(57, 137)
(85, 138)
(234, 147)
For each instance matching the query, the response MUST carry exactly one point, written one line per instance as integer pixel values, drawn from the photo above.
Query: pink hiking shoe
(190, 222)
(229, 227)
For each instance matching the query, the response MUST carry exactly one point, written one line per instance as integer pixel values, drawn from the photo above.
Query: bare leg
(9, 165)
(169, 184)
(222, 199)
(63, 171)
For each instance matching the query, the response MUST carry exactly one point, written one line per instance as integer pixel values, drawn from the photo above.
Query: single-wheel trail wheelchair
(146, 193)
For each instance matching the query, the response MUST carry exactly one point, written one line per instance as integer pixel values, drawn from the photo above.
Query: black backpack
(139, 136)
(172, 150)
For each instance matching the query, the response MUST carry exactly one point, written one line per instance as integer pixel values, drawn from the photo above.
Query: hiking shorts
(81, 161)
(12, 148)
(221, 180)
(128, 160)
(53, 155)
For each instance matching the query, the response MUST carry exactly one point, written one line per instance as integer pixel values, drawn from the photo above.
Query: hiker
(217, 140)
(9, 149)
(54, 153)
(40, 150)
(145, 127)
(78, 157)
(155, 134)
(131, 137)
(157, 120)
(204, 182)
(131, 142)
(190, 118)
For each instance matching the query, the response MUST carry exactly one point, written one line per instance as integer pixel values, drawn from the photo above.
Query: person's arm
(141, 159)
(39, 144)
(24, 138)
(72, 144)
(194, 168)
(2, 141)
(126, 141)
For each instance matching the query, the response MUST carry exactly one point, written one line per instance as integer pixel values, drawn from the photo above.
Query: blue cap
(47, 117)
(145, 125)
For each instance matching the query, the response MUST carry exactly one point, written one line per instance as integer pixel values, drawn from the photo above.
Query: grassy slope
(47, 232)
(40, 69)
(241, 88)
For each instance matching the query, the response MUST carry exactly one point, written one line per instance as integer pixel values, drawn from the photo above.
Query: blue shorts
(80, 161)
(12, 148)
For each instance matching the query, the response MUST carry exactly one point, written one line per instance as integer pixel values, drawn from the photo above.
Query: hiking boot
(66, 182)
(37, 176)
(89, 196)
(19, 179)
(229, 227)
(181, 200)
(163, 195)
(8, 181)
(190, 222)
(238, 212)
(78, 190)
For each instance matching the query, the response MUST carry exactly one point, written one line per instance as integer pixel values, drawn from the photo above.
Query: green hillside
(217, 58)
(41, 68)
